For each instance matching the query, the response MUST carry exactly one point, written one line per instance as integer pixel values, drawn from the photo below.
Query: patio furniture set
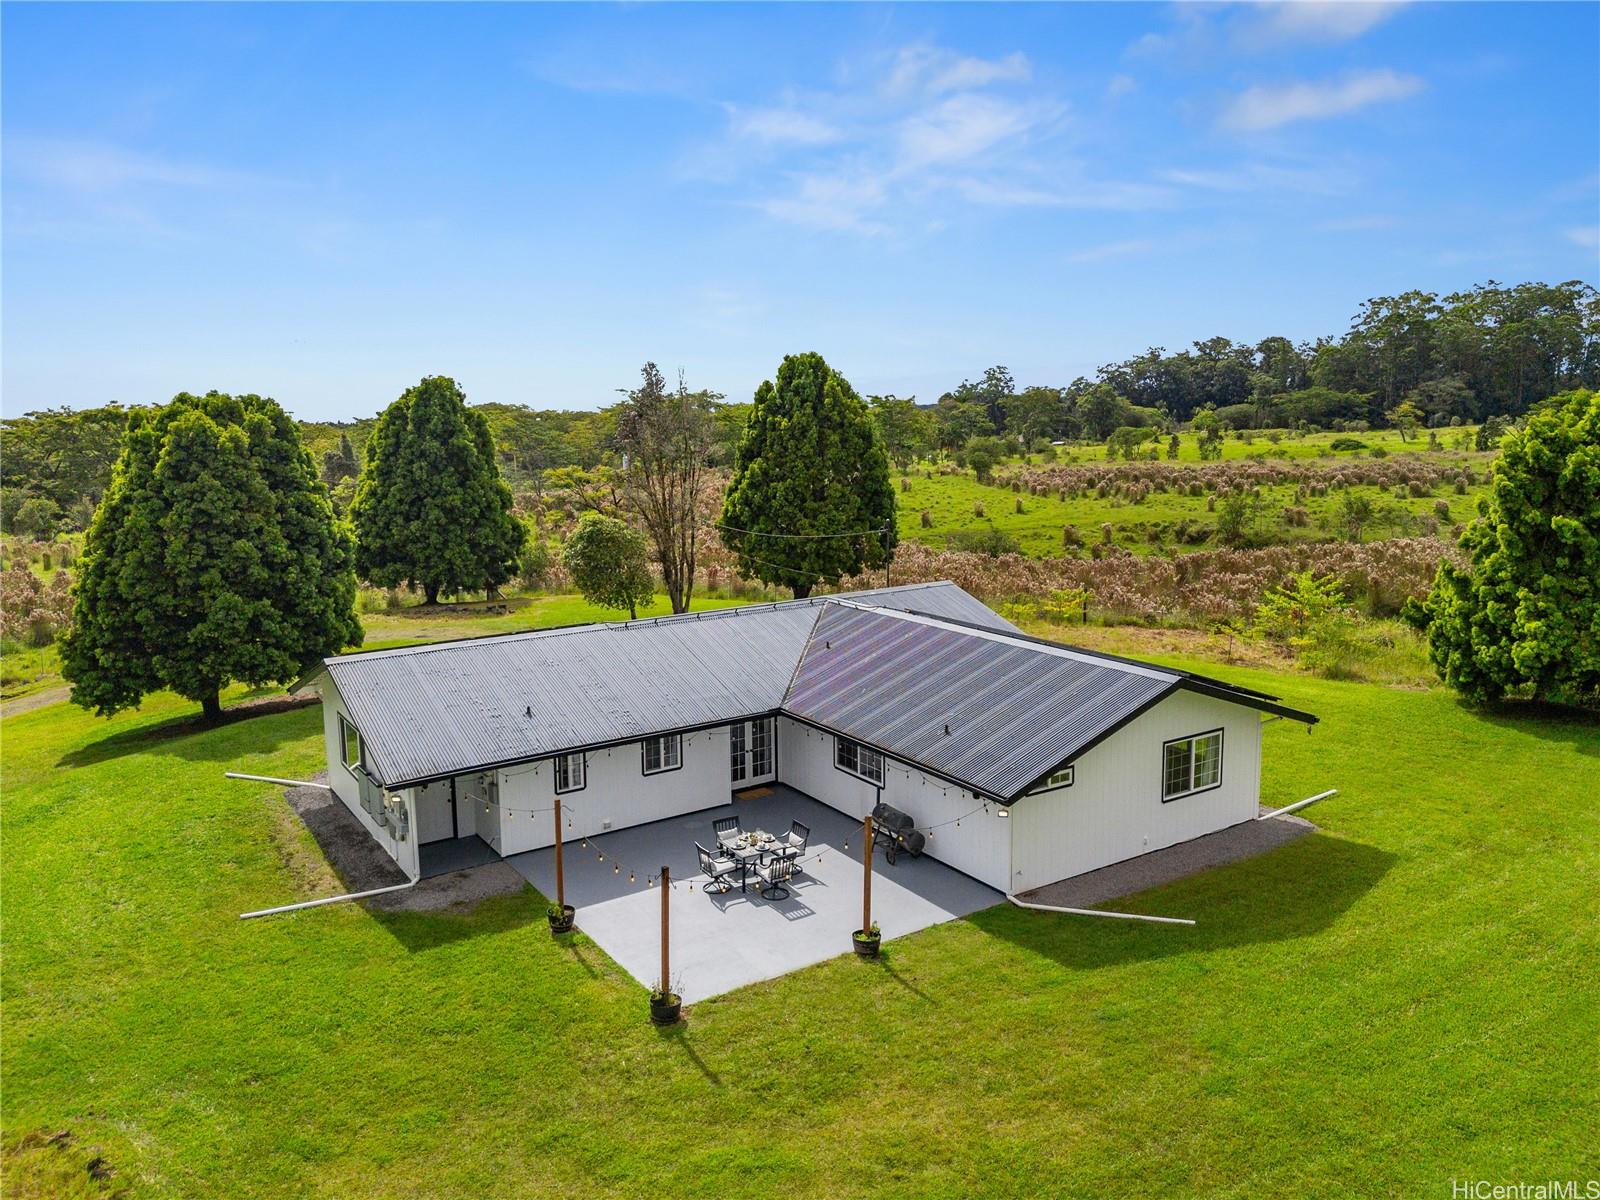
(774, 860)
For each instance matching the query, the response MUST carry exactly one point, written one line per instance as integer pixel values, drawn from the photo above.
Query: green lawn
(1405, 998)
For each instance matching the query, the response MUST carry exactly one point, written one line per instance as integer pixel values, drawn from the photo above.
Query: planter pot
(866, 944)
(665, 1010)
(561, 920)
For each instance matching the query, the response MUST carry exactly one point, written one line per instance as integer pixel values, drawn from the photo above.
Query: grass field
(951, 501)
(1404, 998)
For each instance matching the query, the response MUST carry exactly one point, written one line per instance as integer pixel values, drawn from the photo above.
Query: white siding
(980, 846)
(346, 786)
(1113, 810)
(618, 794)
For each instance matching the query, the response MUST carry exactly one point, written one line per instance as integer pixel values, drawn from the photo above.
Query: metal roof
(988, 709)
(924, 672)
(448, 708)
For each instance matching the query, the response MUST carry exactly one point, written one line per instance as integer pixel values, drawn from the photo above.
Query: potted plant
(560, 916)
(665, 1007)
(867, 940)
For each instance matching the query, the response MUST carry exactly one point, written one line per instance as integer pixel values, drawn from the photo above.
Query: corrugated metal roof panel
(1015, 708)
(453, 707)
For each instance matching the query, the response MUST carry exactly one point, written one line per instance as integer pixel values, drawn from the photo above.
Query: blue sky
(324, 203)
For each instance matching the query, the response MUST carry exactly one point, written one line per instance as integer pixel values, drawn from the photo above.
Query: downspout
(1098, 912)
(283, 908)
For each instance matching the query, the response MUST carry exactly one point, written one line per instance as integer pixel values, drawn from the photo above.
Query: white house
(919, 696)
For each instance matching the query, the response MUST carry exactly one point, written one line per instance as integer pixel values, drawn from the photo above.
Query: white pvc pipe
(1298, 805)
(1100, 912)
(274, 779)
(283, 908)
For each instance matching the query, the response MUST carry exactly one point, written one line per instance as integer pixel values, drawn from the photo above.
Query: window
(570, 775)
(1056, 779)
(1191, 764)
(663, 753)
(736, 750)
(858, 760)
(352, 744)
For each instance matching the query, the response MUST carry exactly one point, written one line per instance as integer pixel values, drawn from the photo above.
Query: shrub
(989, 541)
(927, 519)
(1070, 537)
(977, 508)
(534, 564)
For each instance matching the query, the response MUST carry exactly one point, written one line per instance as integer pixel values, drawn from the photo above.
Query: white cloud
(1587, 236)
(1315, 20)
(782, 125)
(1124, 249)
(909, 141)
(962, 127)
(1119, 85)
(836, 202)
(95, 168)
(1328, 177)
(1267, 106)
(933, 71)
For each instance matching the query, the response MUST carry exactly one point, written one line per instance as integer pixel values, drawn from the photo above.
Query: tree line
(1491, 352)
(216, 555)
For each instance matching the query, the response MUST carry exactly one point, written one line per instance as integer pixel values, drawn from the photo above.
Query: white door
(435, 813)
(752, 751)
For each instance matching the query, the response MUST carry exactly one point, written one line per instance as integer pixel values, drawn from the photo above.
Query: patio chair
(727, 829)
(717, 870)
(793, 845)
(774, 874)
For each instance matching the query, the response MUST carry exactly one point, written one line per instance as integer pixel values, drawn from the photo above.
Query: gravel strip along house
(1033, 761)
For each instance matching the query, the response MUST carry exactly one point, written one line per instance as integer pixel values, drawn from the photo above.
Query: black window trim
(555, 772)
(659, 737)
(1192, 737)
(883, 760)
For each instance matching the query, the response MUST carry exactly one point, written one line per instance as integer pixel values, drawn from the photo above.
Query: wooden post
(666, 940)
(866, 876)
(561, 878)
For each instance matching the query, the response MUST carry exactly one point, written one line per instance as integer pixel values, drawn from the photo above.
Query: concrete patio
(724, 941)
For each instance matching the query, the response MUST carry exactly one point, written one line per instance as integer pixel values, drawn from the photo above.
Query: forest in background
(1418, 358)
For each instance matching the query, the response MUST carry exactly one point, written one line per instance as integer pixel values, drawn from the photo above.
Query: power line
(803, 536)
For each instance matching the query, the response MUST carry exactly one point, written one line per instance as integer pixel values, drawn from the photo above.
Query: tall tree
(214, 557)
(810, 497)
(666, 439)
(609, 563)
(431, 509)
(340, 463)
(1032, 413)
(1526, 613)
(905, 430)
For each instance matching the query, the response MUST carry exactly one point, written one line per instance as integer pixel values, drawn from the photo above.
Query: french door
(751, 751)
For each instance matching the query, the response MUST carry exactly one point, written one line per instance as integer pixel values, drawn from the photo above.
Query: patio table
(748, 850)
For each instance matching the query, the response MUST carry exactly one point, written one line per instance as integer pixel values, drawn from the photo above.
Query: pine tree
(431, 509)
(810, 464)
(1526, 615)
(214, 557)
